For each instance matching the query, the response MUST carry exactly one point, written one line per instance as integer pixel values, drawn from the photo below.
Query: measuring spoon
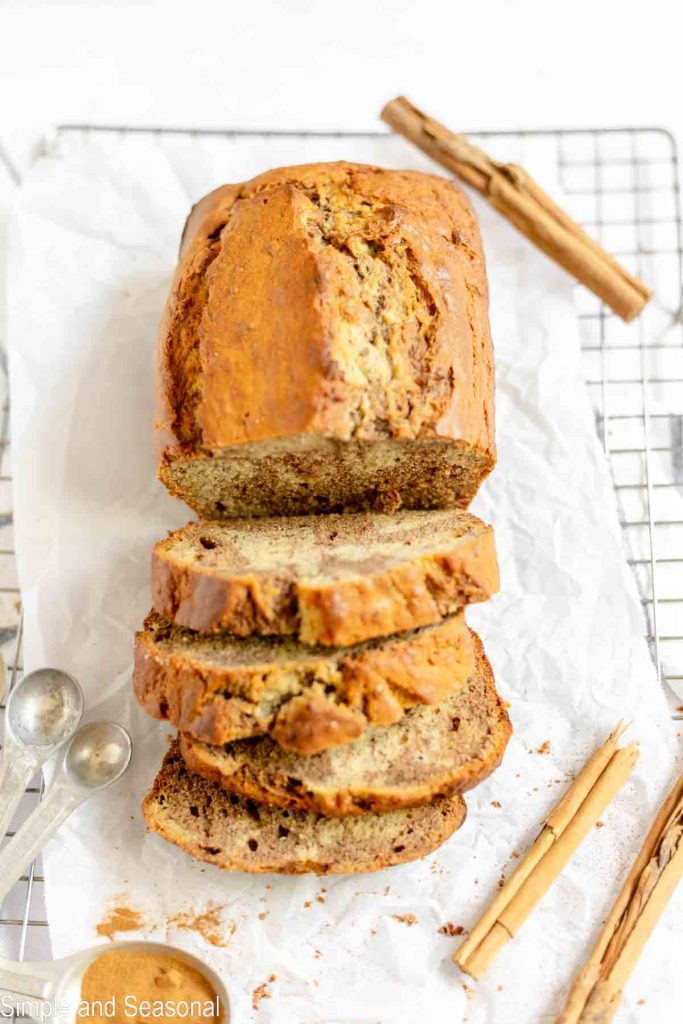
(43, 711)
(96, 756)
(51, 991)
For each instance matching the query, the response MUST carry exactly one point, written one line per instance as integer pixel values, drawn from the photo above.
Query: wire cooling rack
(622, 185)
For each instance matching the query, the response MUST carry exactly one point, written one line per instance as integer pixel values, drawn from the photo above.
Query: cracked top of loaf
(337, 300)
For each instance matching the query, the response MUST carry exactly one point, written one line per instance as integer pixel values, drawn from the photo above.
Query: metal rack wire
(623, 186)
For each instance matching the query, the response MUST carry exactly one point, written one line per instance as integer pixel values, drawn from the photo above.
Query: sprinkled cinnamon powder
(208, 924)
(544, 747)
(120, 919)
(262, 992)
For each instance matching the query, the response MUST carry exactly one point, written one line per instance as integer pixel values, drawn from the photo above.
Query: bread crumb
(373, 931)
(263, 915)
(469, 992)
(500, 988)
(451, 929)
(408, 919)
(496, 803)
(515, 854)
(679, 708)
(307, 904)
(260, 992)
(599, 824)
(544, 747)
(319, 896)
(317, 954)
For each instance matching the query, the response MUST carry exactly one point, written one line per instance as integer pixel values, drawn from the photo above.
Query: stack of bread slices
(326, 406)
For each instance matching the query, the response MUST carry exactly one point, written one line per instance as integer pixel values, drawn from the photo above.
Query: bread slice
(219, 688)
(430, 752)
(240, 835)
(343, 363)
(336, 579)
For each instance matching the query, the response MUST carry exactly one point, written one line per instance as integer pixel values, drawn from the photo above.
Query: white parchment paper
(93, 245)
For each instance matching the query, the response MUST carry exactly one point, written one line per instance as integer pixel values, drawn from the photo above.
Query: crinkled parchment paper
(93, 246)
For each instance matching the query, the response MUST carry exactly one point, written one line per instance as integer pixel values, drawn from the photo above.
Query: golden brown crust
(238, 835)
(209, 602)
(311, 722)
(289, 783)
(236, 308)
(404, 597)
(218, 702)
(381, 602)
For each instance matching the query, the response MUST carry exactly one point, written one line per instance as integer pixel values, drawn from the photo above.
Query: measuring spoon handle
(23, 985)
(60, 800)
(16, 771)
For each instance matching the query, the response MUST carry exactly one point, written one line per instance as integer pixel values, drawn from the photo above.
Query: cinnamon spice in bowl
(134, 984)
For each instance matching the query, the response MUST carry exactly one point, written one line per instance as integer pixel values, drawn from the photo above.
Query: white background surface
(97, 225)
(493, 64)
(332, 65)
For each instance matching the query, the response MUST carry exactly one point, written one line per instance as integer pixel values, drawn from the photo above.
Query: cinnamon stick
(595, 994)
(516, 195)
(600, 780)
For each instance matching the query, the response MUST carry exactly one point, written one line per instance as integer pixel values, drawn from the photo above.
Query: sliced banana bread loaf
(218, 687)
(239, 835)
(342, 363)
(336, 579)
(430, 752)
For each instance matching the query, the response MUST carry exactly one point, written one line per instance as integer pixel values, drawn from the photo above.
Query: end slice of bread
(342, 363)
(430, 752)
(334, 579)
(240, 835)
